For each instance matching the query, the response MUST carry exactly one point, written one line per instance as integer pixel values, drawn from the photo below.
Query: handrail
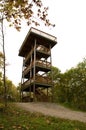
(26, 70)
(38, 79)
(39, 48)
(43, 63)
(27, 82)
(43, 49)
(28, 56)
(41, 79)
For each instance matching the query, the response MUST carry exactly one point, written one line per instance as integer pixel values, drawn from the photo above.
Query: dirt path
(55, 110)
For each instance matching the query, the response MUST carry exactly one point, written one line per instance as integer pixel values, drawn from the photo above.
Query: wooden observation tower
(37, 63)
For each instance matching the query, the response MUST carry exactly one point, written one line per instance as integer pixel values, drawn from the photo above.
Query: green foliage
(2, 107)
(12, 92)
(55, 73)
(17, 119)
(72, 87)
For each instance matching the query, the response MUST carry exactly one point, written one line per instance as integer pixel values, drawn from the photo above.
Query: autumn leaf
(15, 10)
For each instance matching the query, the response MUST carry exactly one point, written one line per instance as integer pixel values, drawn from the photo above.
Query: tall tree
(3, 47)
(1, 60)
(1, 78)
(56, 74)
(72, 86)
(12, 92)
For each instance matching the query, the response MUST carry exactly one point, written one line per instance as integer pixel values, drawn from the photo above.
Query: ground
(53, 109)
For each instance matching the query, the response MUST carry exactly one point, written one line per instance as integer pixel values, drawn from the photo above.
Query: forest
(69, 88)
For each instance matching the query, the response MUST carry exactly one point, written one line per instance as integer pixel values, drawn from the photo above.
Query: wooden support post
(30, 74)
(34, 70)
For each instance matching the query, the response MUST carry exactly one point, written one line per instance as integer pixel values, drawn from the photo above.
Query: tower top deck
(41, 38)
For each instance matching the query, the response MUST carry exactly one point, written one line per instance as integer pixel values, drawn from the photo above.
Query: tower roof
(41, 37)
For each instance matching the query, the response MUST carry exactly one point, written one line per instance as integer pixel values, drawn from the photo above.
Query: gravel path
(53, 109)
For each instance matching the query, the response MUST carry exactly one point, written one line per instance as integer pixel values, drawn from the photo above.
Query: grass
(14, 118)
(72, 106)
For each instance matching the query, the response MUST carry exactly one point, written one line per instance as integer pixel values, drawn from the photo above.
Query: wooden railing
(45, 80)
(38, 79)
(29, 55)
(43, 63)
(43, 49)
(39, 48)
(28, 82)
(26, 70)
(40, 63)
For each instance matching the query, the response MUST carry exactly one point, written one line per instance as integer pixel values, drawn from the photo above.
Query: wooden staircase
(42, 96)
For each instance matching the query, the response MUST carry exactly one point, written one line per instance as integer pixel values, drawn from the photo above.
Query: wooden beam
(34, 69)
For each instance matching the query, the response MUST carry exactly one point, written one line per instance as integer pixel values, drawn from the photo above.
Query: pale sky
(70, 19)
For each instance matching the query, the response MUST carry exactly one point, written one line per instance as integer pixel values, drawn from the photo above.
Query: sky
(69, 17)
